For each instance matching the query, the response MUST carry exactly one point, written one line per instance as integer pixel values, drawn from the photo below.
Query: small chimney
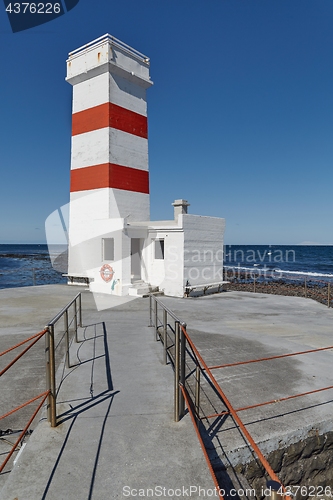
(180, 207)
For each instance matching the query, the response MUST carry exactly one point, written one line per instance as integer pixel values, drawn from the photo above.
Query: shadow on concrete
(229, 480)
(73, 414)
(92, 349)
(227, 477)
(291, 412)
(212, 434)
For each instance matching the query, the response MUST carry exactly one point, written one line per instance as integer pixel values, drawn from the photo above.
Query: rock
(314, 465)
(275, 459)
(293, 453)
(313, 445)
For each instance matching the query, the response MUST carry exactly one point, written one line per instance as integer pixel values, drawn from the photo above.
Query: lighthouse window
(159, 249)
(108, 248)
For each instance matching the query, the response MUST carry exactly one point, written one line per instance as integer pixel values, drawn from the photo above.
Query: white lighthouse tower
(109, 162)
(114, 247)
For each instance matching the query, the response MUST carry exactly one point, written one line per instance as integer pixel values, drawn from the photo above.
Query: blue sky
(240, 114)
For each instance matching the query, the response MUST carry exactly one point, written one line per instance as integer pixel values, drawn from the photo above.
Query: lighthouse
(114, 246)
(109, 181)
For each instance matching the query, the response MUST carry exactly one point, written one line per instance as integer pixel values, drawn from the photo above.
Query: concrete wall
(166, 273)
(174, 264)
(109, 87)
(86, 249)
(193, 250)
(87, 255)
(203, 249)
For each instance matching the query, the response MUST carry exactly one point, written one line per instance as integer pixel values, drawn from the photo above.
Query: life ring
(106, 273)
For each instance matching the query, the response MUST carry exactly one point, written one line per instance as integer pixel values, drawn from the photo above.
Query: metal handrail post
(165, 335)
(177, 352)
(197, 390)
(48, 378)
(80, 309)
(75, 321)
(170, 313)
(155, 326)
(52, 412)
(150, 311)
(328, 294)
(66, 327)
(182, 369)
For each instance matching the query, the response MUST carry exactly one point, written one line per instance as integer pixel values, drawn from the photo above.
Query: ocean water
(314, 262)
(27, 265)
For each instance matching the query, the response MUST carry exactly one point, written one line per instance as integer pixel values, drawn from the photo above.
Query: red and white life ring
(106, 273)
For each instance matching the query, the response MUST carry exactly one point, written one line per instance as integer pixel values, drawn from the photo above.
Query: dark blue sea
(27, 265)
(313, 262)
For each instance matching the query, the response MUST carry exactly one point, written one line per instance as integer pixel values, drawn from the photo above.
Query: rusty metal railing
(44, 395)
(173, 346)
(182, 352)
(33, 340)
(270, 358)
(76, 305)
(72, 315)
(203, 367)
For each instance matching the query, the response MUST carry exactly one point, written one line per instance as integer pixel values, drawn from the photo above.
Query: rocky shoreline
(316, 290)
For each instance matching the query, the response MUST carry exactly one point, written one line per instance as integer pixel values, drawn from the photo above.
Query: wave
(281, 271)
(254, 268)
(305, 273)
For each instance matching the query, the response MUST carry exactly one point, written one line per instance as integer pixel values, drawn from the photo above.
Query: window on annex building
(159, 249)
(108, 248)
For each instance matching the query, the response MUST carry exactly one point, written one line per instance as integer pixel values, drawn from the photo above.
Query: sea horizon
(27, 264)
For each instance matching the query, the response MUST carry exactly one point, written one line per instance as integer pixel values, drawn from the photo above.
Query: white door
(136, 249)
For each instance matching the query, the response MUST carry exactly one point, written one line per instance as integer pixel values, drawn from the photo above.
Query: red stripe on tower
(110, 175)
(109, 115)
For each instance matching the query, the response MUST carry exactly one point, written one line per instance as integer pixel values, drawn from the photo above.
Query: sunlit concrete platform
(115, 407)
(239, 326)
(116, 431)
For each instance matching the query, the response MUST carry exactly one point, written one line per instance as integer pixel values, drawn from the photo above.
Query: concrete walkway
(116, 411)
(117, 437)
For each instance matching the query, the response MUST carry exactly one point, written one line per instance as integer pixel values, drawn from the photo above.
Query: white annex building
(113, 245)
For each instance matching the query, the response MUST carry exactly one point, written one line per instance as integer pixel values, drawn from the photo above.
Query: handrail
(232, 411)
(202, 444)
(50, 392)
(63, 310)
(33, 340)
(21, 343)
(41, 334)
(269, 358)
(50, 350)
(44, 394)
(181, 337)
(171, 313)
